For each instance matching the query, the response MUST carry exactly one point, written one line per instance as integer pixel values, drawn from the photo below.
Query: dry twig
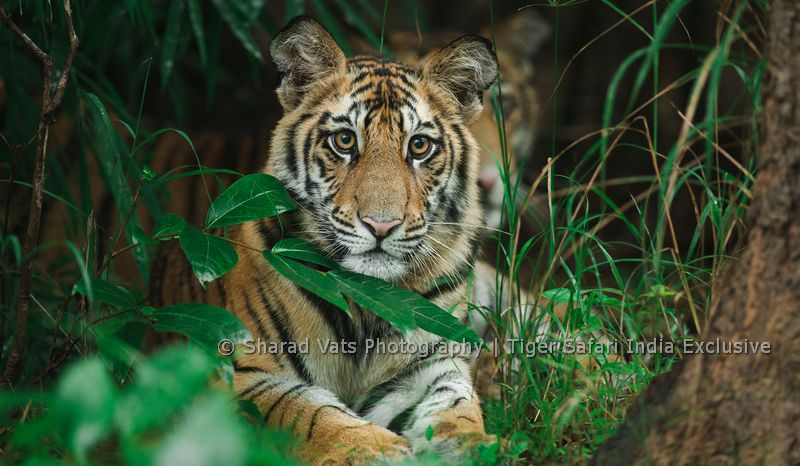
(51, 101)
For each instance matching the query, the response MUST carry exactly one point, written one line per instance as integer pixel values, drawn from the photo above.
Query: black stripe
(314, 417)
(377, 393)
(284, 334)
(453, 282)
(247, 369)
(262, 385)
(253, 315)
(280, 398)
(340, 323)
(267, 233)
(221, 291)
(188, 280)
(444, 388)
(291, 148)
(296, 396)
(458, 400)
(399, 423)
(455, 214)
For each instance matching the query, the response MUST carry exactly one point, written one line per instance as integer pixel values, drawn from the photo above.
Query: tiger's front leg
(435, 407)
(331, 434)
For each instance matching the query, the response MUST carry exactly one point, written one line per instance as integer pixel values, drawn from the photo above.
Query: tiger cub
(381, 161)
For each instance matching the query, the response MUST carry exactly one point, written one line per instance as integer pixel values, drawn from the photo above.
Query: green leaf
(84, 405)
(210, 256)
(240, 21)
(12, 242)
(148, 174)
(402, 308)
(105, 292)
(103, 139)
(163, 385)
(138, 236)
(559, 295)
(378, 296)
(196, 18)
(299, 249)
(86, 279)
(118, 340)
(249, 198)
(204, 324)
(169, 225)
(309, 279)
(171, 38)
(210, 434)
(433, 319)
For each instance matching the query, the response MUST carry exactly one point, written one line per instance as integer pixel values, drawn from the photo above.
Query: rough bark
(718, 409)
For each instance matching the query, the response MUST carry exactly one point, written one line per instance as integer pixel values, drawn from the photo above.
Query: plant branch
(51, 101)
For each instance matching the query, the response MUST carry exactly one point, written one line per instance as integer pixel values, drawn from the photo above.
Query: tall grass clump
(647, 283)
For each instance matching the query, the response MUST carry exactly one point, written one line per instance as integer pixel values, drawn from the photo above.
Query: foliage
(88, 395)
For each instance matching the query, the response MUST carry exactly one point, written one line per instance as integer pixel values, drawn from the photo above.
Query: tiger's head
(378, 154)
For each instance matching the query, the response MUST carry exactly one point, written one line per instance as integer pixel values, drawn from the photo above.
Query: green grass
(645, 285)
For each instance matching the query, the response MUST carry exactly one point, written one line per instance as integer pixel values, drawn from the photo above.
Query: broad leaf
(105, 292)
(380, 297)
(168, 225)
(139, 237)
(249, 198)
(433, 319)
(559, 295)
(204, 324)
(402, 308)
(210, 256)
(309, 279)
(297, 248)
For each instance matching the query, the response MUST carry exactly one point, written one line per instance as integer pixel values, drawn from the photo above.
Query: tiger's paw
(360, 445)
(454, 436)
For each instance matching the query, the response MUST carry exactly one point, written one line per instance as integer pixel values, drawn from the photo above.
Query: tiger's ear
(464, 69)
(304, 53)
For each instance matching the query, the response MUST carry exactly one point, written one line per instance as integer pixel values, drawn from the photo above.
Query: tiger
(381, 161)
(518, 40)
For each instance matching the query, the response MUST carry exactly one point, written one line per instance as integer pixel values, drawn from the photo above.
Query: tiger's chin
(376, 264)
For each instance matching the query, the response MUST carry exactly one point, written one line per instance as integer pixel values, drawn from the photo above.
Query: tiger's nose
(380, 229)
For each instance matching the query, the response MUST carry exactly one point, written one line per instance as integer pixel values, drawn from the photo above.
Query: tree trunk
(742, 409)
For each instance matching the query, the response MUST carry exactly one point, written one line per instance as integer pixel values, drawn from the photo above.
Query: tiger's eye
(419, 146)
(345, 140)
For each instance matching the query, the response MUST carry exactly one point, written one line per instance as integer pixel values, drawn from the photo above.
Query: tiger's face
(378, 154)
